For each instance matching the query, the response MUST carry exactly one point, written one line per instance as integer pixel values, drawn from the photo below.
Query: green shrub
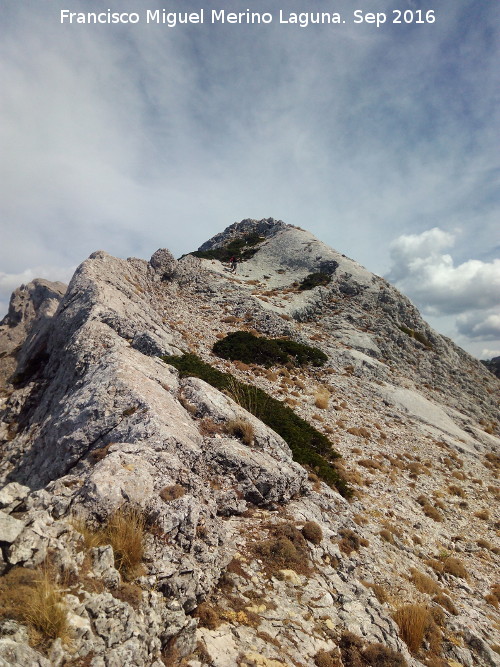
(315, 279)
(243, 248)
(244, 346)
(309, 446)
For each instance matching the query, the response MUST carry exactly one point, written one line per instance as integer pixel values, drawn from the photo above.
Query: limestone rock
(10, 528)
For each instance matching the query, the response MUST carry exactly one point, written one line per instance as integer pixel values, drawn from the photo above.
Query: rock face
(247, 557)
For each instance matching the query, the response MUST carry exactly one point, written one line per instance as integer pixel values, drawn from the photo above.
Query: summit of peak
(266, 227)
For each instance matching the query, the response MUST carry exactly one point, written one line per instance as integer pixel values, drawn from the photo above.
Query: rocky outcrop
(31, 306)
(248, 558)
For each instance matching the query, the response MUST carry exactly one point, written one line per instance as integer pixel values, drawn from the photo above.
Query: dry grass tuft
(456, 491)
(325, 659)
(241, 428)
(445, 602)
(321, 399)
(46, 611)
(32, 597)
(424, 583)
(455, 567)
(387, 536)
(432, 512)
(360, 431)
(286, 548)
(413, 620)
(349, 542)
(356, 652)
(378, 589)
(124, 531)
(482, 514)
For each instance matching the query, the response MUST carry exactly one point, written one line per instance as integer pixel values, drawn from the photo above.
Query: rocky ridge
(93, 421)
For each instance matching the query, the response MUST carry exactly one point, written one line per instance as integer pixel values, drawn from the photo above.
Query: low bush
(309, 446)
(349, 541)
(248, 348)
(314, 280)
(207, 616)
(285, 549)
(242, 247)
(169, 493)
(312, 532)
(356, 652)
(325, 659)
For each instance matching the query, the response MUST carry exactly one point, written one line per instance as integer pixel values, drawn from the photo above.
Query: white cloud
(485, 326)
(424, 272)
(489, 354)
(462, 300)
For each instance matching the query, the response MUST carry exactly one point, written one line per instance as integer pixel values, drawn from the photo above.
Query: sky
(382, 140)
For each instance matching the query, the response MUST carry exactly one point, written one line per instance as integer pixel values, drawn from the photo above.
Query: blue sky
(381, 141)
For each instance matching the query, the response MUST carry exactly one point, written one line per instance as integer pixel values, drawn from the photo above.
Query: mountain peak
(248, 227)
(207, 409)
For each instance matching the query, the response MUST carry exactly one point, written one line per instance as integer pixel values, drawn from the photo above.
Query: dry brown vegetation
(286, 548)
(124, 531)
(33, 598)
(445, 602)
(424, 583)
(321, 399)
(432, 513)
(456, 490)
(355, 652)
(413, 620)
(349, 541)
(360, 431)
(207, 616)
(172, 492)
(378, 589)
(455, 567)
(312, 532)
(241, 428)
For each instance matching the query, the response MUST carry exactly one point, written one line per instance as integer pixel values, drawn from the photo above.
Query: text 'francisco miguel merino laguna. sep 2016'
(222, 16)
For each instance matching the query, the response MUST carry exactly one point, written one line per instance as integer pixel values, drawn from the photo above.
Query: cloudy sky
(382, 141)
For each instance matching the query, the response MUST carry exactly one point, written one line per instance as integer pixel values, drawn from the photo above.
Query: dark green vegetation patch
(309, 446)
(244, 346)
(315, 279)
(242, 248)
